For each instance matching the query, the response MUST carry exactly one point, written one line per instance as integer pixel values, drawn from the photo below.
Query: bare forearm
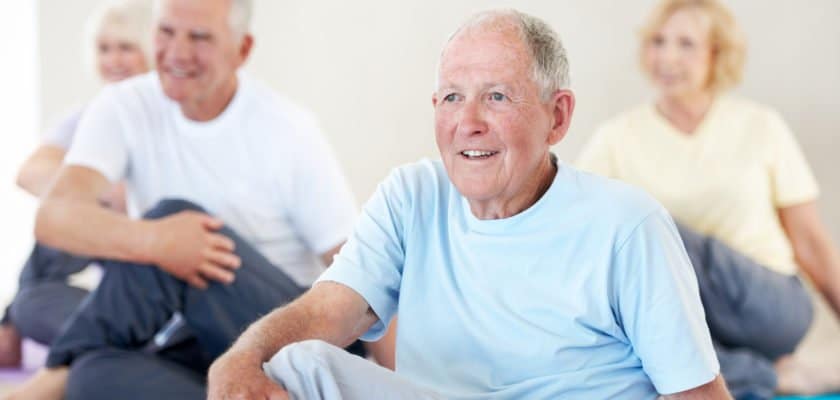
(35, 182)
(279, 328)
(714, 390)
(39, 170)
(813, 248)
(822, 263)
(329, 311)
(85, 227)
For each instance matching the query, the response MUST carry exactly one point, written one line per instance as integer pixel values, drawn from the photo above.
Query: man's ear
(563, 105)
(245, 47)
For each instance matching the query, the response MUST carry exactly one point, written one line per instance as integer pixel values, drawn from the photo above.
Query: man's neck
(211, 107)
(500, 209)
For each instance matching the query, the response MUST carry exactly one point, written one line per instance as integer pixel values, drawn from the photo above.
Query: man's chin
(175, 94)
(475, 191)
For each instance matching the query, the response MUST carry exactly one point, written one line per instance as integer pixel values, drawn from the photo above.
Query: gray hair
(550, 63)
(131, 20)
(239, 16)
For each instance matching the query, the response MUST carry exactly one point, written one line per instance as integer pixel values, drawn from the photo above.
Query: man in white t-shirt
(240, 196)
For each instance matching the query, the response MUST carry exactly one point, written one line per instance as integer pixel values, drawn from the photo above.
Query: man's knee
(168, 207)
(301, 356)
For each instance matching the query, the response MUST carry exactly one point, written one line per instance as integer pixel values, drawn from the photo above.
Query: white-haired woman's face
(678, 58)
(118, 58)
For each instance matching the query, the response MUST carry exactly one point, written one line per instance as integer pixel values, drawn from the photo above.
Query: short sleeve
(100, 141)
(596, 156)
(371, 263)
(792, 179)
(659, 308)
(323, 208)
(61, 135)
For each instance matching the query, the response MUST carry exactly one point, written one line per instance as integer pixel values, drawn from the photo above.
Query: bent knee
(306, 350)
(168, 207)
(300, 356)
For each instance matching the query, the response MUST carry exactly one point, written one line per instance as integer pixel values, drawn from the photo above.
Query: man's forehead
(477, 51)
(500, 41)
(193, 11)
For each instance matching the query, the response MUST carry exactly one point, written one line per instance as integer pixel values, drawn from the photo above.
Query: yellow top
(727, 179)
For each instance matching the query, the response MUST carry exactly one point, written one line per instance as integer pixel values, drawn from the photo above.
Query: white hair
(129, 20)
(239, 15)
(549, 59)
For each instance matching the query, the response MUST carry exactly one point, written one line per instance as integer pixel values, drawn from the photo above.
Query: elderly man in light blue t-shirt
(515, 276)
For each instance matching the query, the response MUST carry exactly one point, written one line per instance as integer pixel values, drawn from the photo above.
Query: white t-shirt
(262, 166)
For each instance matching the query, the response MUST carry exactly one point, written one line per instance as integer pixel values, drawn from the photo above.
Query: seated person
(731, 173)
(244, 203)
(515, 276)
(118, 40)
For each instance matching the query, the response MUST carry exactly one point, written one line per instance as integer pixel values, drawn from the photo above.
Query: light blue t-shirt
(587, 294)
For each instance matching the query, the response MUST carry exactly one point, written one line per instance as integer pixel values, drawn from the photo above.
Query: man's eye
(450, 97)
(496, 96)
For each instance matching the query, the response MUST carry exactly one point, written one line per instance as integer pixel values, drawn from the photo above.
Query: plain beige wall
(367, 69)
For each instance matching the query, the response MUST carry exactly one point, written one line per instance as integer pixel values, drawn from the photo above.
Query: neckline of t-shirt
(190, 127)
(700, 131)
(504, 225)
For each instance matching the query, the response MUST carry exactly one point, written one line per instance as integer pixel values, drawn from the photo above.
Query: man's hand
(187, 246)
(239, 375)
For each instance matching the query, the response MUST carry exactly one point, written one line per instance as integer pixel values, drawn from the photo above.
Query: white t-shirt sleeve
(323, 208)
(658, 306)
(100, 142)
(371, 263)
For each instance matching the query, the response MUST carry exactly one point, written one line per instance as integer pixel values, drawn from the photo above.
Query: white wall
(367, 67)
(18, 121)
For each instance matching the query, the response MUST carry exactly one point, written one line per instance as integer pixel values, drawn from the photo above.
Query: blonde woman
(731, 172)
(117, 43)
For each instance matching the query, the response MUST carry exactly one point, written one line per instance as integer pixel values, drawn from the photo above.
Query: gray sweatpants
(317, 370)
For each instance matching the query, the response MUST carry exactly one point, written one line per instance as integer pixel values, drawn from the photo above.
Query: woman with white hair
(53, 283)
(731, 172)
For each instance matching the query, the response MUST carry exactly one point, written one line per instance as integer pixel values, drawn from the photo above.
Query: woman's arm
(814, 251)
(40, 168)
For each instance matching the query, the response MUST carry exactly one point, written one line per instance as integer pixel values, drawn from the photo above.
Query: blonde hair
(725, 37)
(129, 20)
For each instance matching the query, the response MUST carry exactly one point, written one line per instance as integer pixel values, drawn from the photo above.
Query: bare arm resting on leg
(329, 311)
(813, 249)
(185, 245)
